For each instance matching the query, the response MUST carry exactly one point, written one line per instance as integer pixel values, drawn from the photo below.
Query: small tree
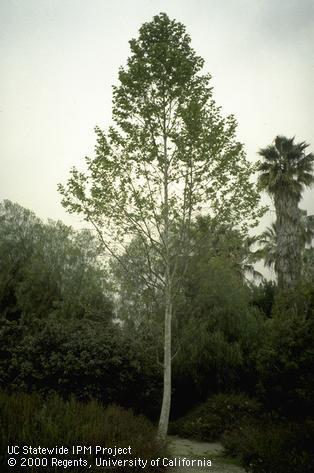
(168, 157)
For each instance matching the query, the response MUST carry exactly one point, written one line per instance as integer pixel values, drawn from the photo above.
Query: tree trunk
(289, 245)
(166, 400)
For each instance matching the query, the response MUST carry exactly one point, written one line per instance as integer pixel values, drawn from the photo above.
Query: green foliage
(263, 295)
(285, 363)
(285, 383)
(169, 156)
(83, 358)
(49, 269)
(31, 420)
(218, 327)
(272, 447)
(305, 230)
(286, 168)
(137, 304)
(169, 134)
(217, 414)
(308, 264)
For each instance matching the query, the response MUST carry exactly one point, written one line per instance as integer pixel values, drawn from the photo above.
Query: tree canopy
(49, 269)
(168, 157)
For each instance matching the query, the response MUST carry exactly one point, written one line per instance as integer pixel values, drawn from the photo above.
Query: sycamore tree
(168, 157)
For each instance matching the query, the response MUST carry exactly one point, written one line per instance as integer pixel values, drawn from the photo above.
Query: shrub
(286, 365)
(268, 447)
(81, 358)
(219, 413)
(30, 420)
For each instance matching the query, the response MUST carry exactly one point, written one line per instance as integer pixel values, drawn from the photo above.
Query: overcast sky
(59, 59)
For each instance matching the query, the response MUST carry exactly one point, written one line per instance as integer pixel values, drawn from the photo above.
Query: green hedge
(81, 358)
(31, 420)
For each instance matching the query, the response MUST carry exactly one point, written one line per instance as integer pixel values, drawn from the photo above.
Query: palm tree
(268, 241)
(285, 172)
(307, 225)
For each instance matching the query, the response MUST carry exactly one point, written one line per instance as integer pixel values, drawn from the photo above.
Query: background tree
(18, 228)
(49, 269)
(136, 304)
(284, 173)
(269, 242)
(218, 327)
(169, 156)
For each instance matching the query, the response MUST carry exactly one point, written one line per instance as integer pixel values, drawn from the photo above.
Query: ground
(192, 449)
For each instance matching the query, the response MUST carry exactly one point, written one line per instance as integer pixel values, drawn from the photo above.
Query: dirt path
(184, 448)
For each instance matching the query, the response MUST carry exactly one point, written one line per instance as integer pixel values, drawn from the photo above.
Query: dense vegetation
(244, 360)
(80, 331)
(28, 420)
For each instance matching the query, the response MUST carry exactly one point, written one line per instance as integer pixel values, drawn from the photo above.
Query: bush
(83, 358)
(268, 447)
(285, 365)
(30, 420)
(219, 413)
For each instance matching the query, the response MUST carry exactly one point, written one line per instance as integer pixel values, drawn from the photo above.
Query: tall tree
(169, 156)
(284, 173)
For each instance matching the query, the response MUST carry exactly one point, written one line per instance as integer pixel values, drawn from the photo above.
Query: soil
(192, 449)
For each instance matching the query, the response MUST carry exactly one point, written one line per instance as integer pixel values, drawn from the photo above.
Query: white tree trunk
(166, 400)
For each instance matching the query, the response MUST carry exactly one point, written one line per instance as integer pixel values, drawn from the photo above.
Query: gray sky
(59, 59)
